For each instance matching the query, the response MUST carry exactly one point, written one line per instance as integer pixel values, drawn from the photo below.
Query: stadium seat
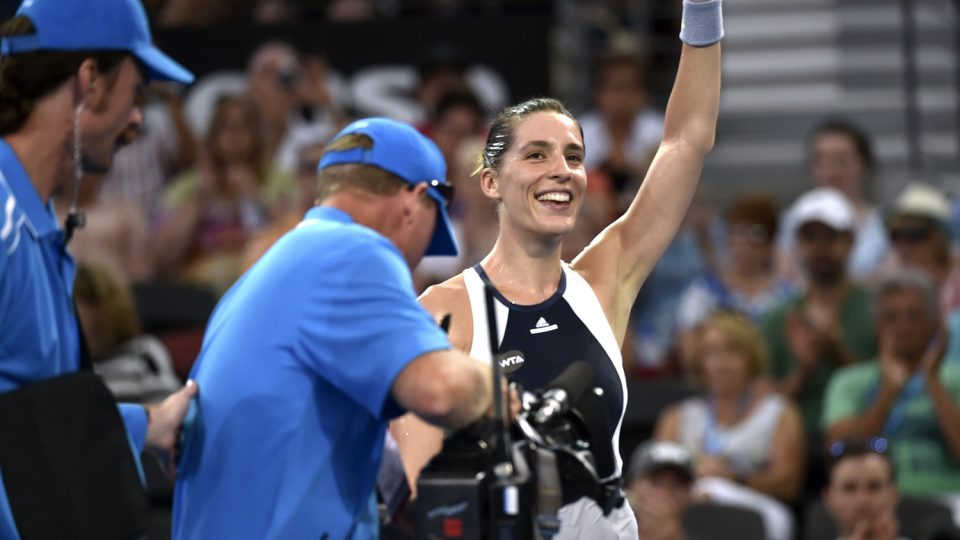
(722, 522)
(919, 519)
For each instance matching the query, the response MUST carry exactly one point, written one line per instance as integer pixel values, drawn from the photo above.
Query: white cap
(824, 205)
(922, 200)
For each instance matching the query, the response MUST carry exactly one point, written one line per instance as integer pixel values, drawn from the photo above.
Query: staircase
(788, 64)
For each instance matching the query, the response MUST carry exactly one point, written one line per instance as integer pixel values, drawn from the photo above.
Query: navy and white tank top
(567, 327)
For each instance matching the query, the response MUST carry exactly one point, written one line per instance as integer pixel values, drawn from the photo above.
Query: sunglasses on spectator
(815, 235)
(905, 315)
(910, 235)
(876, 445)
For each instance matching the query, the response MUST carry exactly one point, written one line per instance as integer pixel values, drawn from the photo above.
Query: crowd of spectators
(800, 324)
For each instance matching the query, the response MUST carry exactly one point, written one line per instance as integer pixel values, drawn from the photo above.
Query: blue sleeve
(135, 420)
(7, 236)
(361, 327)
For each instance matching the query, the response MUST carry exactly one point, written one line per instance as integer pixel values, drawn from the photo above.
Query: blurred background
(860, 98)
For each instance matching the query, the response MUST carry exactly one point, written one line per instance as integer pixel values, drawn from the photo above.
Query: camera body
(468, 491)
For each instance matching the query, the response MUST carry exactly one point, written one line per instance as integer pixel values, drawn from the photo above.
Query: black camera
(491, 482)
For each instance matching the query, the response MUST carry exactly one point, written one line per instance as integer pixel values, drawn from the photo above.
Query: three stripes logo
(543, 326)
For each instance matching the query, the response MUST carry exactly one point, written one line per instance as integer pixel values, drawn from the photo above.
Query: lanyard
(911, 390)
(714, 442)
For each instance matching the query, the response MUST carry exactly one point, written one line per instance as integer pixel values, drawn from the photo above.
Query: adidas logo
(543, 326)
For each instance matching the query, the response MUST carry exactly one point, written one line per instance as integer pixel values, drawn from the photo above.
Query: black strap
(549, 495)
(491, 322)
(612, 495)
(86, 362)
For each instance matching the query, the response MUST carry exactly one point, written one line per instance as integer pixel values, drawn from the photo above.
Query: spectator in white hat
(828, 326)
(658, 488)
(840, 156)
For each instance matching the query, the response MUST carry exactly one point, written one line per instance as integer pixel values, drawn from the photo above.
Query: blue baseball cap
(94, 25)
(400, 149)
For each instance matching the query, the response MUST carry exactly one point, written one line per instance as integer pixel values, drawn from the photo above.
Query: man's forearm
(869, 424)
(948, 414)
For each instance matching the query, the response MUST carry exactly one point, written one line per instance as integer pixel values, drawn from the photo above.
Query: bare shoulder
(440, 298)
(668, 424)
(451, 298)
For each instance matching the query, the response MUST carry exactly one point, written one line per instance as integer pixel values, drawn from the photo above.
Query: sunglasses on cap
(445, 189)
(876, 445)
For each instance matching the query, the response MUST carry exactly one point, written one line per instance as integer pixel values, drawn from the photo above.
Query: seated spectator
(294, 97)
(598, 211)
(908, 394)
(861, 495)
(352, 11)
(841, 157)
(747, 282)
(261, 240)
(441, 72)
(748, 441)
(135, 366)
(658, 488)
(623, 129)
(177, 13)
(828, 326)
(209, 213)
(164, 147)
(459, 117)
(918, 226)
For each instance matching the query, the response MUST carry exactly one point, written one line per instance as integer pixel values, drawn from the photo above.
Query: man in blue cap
(72, 79)
(319, 345)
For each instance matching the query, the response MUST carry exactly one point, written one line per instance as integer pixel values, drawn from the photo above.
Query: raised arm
(637, 240)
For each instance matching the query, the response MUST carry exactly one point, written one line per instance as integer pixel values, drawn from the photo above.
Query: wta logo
(510, 361)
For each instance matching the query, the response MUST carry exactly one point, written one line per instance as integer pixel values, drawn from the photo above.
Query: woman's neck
(730, 407)
(619, 128)
(834, 294)
(749, 279)
(525, 272)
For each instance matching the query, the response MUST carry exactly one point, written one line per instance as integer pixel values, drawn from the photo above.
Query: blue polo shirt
(296, 369)
(38, 329)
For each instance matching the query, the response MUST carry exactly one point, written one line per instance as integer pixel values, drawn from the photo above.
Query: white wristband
(702, 23)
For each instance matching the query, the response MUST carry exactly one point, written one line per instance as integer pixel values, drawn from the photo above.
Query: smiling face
(541, 180)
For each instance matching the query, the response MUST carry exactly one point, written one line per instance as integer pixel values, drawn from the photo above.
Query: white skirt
(584, 520)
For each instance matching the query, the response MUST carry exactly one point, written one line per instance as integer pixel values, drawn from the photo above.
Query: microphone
(75, 220)
(564, 391)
